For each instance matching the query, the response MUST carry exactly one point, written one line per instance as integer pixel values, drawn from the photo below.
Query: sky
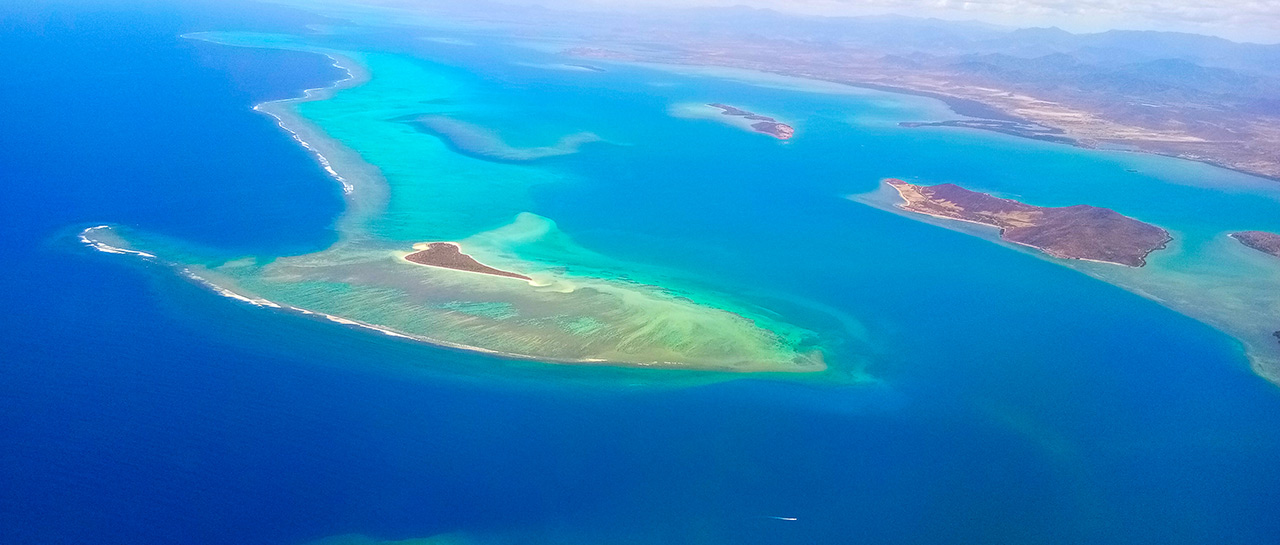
(1244, 20)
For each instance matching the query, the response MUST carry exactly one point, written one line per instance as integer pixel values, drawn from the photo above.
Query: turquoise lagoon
(688, 236)
(963, 390)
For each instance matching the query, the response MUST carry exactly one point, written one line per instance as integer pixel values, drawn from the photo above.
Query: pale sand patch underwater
(472, 139)
(635, 325)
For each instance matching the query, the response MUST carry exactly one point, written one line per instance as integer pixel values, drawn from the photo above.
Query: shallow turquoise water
(1014, 398)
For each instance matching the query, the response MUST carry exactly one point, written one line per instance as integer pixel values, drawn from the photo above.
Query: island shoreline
(898, 184)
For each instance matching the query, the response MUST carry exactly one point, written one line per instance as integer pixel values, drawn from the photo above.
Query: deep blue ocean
(137, 408)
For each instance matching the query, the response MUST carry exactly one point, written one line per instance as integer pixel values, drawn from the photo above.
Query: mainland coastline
(984, 108)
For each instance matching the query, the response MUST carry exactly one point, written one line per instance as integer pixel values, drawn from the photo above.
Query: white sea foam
(104, 247)
(288, 117)
(347, 187)
(255, 301)
(316, 93)
(260, 302)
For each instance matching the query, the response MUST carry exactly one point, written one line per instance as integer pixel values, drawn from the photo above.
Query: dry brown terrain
(1070, 232)
(448, 255)
(1183, 95)
(1191, 126)
(1260, 241)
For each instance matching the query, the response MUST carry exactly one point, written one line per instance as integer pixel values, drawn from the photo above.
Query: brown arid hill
(1261, 241)
(1069, 232)
(448, 255)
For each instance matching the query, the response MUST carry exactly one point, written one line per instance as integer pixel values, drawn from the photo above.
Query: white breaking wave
(104, 247)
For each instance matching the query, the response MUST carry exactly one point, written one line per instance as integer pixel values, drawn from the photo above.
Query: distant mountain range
(1198, 97)
(905, 35)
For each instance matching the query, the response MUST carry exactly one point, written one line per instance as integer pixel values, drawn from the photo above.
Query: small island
(448, 255)
(763, 124)
(1261, 241)
(1072, 232)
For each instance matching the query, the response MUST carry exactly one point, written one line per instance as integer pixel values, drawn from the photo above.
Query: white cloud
(1256, 20)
